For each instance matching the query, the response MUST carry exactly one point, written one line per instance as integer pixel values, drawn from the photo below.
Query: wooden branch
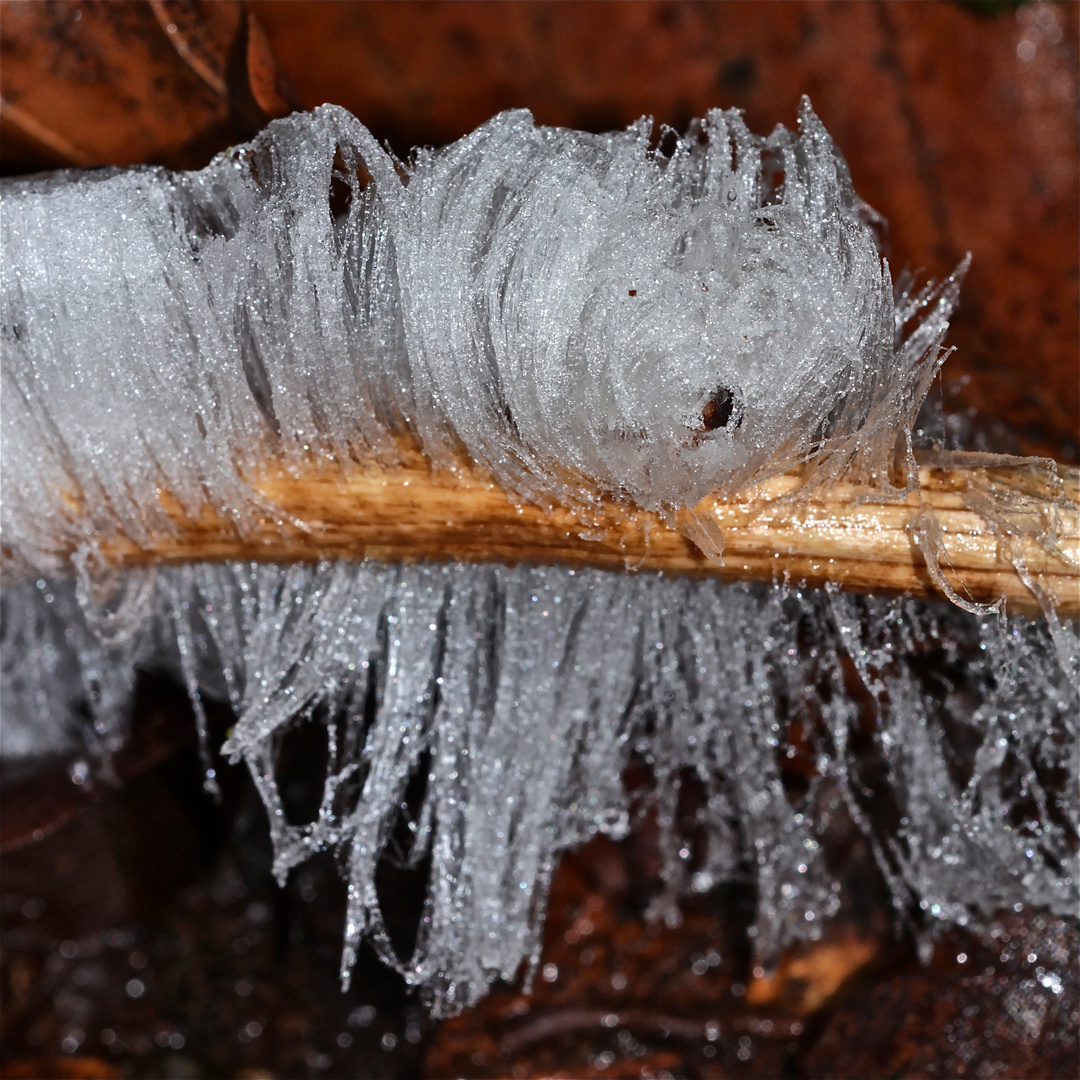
(408, 513)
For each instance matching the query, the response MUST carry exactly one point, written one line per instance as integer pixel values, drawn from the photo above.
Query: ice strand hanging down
(578, 314)
(477, 721)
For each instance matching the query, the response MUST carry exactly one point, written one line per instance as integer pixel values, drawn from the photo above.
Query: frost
(517, 698)
(580, 314)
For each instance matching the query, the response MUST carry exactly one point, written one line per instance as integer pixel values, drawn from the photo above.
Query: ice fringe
(578, 313)
(520, 696)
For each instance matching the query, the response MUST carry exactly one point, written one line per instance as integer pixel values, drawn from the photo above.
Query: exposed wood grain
(841, 535)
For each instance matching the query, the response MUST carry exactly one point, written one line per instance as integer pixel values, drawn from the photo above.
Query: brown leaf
(166, 81)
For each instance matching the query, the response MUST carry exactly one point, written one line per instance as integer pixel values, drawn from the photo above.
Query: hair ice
(579, 313)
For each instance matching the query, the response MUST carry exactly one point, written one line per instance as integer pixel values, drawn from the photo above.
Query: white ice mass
(579, 314)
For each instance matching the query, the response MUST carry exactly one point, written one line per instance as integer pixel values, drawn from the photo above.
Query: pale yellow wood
(839, 535)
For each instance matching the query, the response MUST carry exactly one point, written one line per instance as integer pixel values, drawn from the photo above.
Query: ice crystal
(519, 697)
(579, 314)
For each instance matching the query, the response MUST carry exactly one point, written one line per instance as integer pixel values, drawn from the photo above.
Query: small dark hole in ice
(341, 193)
(300, 769)
(669, 143)
(255, 372)
(340, 197)
(773, 178)
(718, 409)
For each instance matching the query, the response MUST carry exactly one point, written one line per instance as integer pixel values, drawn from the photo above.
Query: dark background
(960, 124)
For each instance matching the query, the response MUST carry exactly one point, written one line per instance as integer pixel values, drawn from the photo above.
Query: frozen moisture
(520, 696)
(579, 313)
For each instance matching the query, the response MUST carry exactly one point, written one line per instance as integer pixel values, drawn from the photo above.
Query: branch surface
(842, 534)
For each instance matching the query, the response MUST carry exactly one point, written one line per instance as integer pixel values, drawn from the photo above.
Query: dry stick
(842, 534)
